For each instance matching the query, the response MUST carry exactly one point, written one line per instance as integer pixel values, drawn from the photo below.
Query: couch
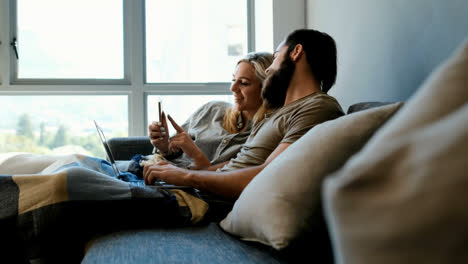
(397, 196)
(203, 243)
(383, 184)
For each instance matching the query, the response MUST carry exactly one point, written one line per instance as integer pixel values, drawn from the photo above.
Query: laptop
(110, 157)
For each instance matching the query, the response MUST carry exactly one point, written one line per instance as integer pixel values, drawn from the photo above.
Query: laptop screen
(107, 149)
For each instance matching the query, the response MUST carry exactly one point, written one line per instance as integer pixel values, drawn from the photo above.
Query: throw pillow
(402, 198)
(283, 200)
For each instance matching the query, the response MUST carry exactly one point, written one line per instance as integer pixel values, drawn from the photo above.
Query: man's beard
(276, 84)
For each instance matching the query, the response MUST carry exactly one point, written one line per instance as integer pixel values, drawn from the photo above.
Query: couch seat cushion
(200, 244)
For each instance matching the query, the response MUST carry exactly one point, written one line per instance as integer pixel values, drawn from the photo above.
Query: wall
(275, 19)
(287, 16)
(387, 48)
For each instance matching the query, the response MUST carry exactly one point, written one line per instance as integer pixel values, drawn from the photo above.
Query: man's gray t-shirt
(285, 125)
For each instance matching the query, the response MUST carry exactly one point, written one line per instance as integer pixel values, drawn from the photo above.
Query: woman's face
(246, 88)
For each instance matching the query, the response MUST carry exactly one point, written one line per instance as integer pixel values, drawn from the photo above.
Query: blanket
(50, 206)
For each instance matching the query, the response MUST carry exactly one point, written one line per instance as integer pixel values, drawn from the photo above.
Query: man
(303, 70)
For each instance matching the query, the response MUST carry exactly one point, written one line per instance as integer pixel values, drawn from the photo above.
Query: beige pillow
(402, 199)
(283, 200)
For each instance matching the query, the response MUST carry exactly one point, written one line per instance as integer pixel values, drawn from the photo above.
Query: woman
(216, 131)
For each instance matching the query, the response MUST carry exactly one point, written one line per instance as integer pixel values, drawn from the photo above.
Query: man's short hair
(320, 50)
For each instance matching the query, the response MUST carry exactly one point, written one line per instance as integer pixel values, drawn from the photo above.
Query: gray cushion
(402, 199)
(283, 200)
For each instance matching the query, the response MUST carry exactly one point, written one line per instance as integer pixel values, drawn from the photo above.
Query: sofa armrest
(124, 148)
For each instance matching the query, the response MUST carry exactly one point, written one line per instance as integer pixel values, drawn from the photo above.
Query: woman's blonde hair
(260, 61)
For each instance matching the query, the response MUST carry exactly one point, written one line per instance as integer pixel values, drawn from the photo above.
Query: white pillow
(283, 200)
(402, 199)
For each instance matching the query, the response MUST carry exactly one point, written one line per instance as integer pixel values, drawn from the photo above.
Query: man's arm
(232, 183)
(228, 184)
(216, 166)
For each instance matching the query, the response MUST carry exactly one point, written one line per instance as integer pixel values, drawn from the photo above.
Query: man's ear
(296, 52)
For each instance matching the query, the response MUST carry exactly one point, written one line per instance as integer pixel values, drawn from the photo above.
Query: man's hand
(165, 172)
(159, 134)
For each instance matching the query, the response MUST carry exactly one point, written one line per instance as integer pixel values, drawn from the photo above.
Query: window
(60, 124)
(194, 41)
(70, 39)
(109, 61)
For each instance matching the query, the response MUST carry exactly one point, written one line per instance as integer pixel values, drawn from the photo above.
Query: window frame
(134, 82)
(13, 23)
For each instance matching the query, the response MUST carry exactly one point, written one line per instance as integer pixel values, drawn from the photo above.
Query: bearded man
(303, 70)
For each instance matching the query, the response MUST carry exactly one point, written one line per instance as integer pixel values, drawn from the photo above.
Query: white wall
(387, 48)
(275, 19)
(288, 16)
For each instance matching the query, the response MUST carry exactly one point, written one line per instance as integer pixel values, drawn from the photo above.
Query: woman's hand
(182, 140)
(159, 134)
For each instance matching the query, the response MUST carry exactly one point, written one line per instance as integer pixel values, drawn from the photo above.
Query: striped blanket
(50, 206)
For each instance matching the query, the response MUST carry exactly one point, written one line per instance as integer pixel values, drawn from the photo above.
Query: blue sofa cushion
(198, 244)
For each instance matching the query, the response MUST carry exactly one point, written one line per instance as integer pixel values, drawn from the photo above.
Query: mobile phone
(159, 111)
